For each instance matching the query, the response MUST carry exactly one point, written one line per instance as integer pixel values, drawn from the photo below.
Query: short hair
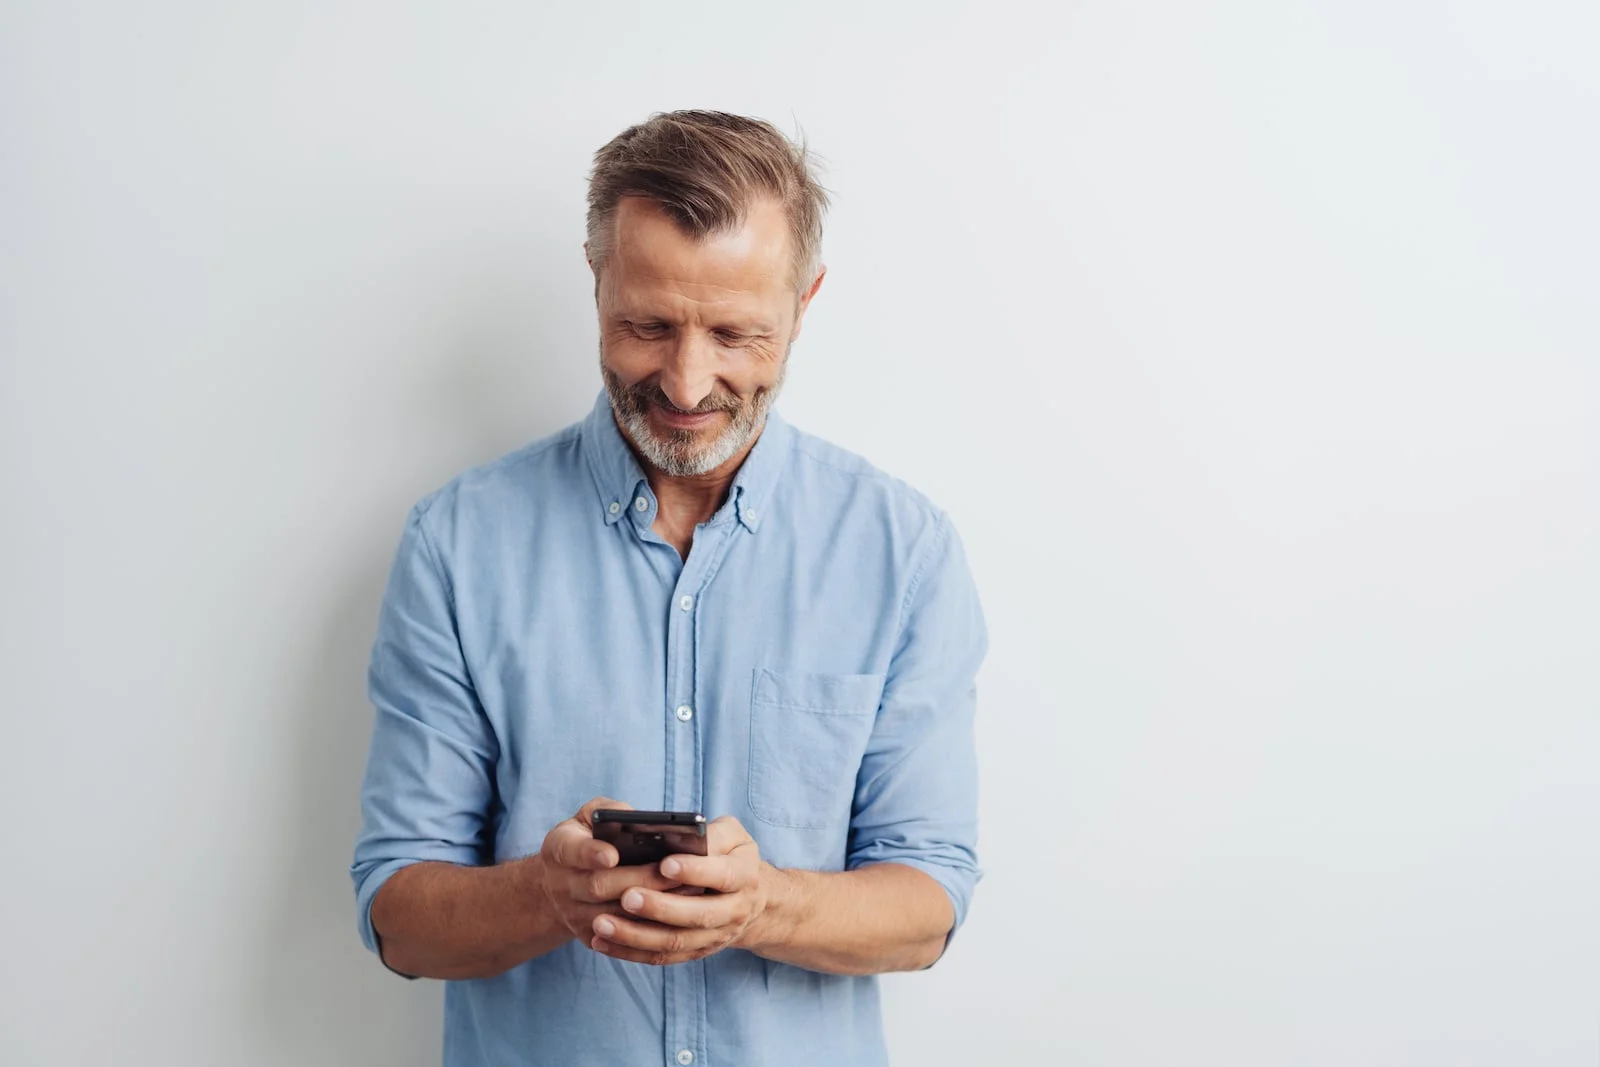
(706, 169)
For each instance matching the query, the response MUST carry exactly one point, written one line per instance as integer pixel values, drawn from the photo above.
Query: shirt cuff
(957, 883)
(366, 891)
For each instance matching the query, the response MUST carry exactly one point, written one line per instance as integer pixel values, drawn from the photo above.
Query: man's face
(695, 334)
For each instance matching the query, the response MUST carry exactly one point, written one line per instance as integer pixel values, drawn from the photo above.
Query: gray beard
(679, 453)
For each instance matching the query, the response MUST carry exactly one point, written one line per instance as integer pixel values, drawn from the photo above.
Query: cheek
(746, 373)
(628, 357)
(765, 365)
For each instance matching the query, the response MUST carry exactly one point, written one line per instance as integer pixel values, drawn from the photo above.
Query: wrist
(527, 877)
(774, 925)
(530, 886)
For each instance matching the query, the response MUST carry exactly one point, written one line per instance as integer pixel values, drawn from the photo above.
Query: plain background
(1253, 347)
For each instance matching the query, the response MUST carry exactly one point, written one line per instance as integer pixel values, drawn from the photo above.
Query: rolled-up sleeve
(429, 778)
(916, 794)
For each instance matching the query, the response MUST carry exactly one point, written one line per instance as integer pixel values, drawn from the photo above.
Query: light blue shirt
(808, 669)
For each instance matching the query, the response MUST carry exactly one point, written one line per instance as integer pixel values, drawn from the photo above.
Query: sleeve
(429, 778)
(916, 794)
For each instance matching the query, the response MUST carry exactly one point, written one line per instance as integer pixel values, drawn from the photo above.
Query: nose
(690, 373)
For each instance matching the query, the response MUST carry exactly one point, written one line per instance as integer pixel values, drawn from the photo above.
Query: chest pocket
(807, 736)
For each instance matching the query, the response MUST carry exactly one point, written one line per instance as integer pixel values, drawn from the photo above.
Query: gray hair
(705, 168)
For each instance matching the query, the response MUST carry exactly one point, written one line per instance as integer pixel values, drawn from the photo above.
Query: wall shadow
(320, 997)
(325, 999)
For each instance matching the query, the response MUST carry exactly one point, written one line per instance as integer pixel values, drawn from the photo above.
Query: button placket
(682, 780)
(685, 984)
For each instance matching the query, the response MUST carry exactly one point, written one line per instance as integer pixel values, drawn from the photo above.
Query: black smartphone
(650, 836)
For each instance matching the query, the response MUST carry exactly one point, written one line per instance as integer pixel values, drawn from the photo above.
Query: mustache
(645, 394)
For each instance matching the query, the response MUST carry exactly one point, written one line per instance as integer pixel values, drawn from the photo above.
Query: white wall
(1252, 345)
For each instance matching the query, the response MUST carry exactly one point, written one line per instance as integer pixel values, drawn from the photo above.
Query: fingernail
(633, 900)
(604, 927)
(670, 868)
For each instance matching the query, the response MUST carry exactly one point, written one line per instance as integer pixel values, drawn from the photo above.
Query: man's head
(704, 237)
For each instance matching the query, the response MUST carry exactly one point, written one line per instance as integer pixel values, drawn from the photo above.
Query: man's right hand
(580, 877)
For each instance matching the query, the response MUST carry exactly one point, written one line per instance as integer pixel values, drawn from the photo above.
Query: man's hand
(662, 927)
(579, 875)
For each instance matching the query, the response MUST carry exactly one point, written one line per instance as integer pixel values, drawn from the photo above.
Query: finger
(571, 844)
(724, 834)
(669, 942)
(596, 887)
(672, 909)
(723, 874)
(580, 919)
(585, 814)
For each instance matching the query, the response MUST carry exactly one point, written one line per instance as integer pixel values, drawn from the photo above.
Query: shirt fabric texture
(809, 669)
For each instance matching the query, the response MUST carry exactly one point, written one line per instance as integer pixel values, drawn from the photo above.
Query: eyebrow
(752, 326)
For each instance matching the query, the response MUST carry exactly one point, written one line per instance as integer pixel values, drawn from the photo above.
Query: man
(681, 603)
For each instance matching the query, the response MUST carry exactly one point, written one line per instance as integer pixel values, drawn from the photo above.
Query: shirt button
(685, 1057)
(685, 713)
(686, 603)
(615, 507)
(642, 504)
(750, 514)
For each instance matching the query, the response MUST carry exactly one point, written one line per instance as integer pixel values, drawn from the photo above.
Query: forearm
(440, 920)
(887, 917)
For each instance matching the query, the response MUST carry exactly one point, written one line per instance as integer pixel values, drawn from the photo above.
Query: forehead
(651, 257)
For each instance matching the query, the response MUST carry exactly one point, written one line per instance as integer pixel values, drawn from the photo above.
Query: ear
(805, 302)
(589, 259)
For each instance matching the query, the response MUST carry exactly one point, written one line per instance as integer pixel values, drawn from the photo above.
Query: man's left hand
(670, 927)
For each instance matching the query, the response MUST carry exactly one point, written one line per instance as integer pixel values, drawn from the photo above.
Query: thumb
(585, 814)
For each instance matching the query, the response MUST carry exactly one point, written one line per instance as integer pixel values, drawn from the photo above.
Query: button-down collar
(620, 481)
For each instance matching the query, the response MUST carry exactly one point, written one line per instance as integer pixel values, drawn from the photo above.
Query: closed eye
(648, 329)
